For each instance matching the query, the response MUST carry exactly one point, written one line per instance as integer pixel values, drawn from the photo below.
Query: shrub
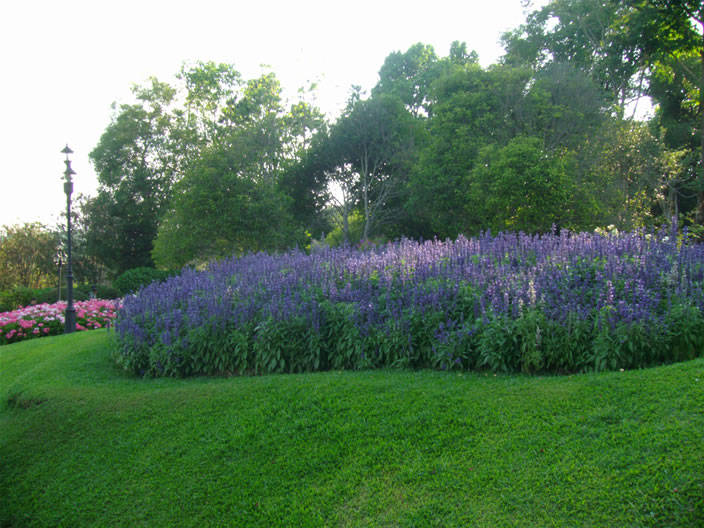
(132, 280)
(51, 295)
(16, 297)
(107, 292)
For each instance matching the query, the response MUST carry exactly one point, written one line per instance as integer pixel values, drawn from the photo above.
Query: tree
(136, 165)
(463, 118)
(408, 76)
(524, 187)
(87, 267)
(218, 211)
(365, 159)
(27, 256)
(209, 88)
(630, 48)
(676, 40)
(151, 144)
(232, 199)
(591, 36)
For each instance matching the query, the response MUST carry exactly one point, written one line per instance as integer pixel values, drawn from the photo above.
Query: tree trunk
(365, 190)
(346, 223)
(699, 216)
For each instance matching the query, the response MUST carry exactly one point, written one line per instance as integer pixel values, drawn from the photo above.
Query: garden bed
(42, 320)
(554, 303)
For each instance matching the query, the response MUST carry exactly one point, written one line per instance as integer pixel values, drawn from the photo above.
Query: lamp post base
(70, 320)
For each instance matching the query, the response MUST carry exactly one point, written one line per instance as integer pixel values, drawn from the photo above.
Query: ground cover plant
(41, 320)
(554, 303)
(84, 444)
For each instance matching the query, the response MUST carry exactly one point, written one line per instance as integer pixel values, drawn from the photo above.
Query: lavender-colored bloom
(631, 279)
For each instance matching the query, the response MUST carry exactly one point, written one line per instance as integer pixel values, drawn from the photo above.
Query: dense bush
(15, 297)
(554, 303)
(51, 295)
(19, 296)
(107, 292)
(132, 280)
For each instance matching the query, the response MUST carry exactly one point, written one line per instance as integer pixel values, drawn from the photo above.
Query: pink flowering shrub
(48, 319)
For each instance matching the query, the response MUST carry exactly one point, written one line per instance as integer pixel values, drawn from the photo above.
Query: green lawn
(82, 444)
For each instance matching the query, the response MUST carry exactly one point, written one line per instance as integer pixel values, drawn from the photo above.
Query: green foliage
(20, 296)
(462, 118)
(217, 164)
(364, 159)
(596, 37)
(132, 280)
(172, 132)
(408, 76)
(686, 332)
(441, 147)
(27, 255)
(474, 174)
(51, 295)
(16, 297)
(336, 236)
(529, 344)
(220, 209)
(526, 188)
(630, 49)
(137, 160)
(106, 292)
(87, 267)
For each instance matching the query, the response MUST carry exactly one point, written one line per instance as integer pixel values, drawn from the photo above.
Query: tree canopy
(213, 163)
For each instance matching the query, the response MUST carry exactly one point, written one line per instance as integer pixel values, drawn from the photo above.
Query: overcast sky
(66, 61)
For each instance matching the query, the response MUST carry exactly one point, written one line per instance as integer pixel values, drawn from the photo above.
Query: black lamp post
(70, 317)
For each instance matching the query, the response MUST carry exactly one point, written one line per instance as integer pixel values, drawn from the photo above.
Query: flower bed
(554, 303)
(48, 319)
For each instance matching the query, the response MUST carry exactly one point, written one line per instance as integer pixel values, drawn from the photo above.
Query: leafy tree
(408, 76)
(498, 117)
(87, 267)
(232, 200)
(218, 210)
(365, 158)
(151, 144)
(676, 42)
(591, 36)
(27, 256)
(525, 188)
(632, 178)
(136, 167)
(463, 117)
(209, 88)
(562, 106)
(631, 48)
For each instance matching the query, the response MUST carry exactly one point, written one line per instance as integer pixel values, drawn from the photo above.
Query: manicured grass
(83, 444)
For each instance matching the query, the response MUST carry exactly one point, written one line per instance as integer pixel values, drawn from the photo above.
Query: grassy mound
(83, 444)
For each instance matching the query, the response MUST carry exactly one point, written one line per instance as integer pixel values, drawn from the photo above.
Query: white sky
(66, 61)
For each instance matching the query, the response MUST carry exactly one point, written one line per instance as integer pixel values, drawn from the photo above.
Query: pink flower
(42, 318)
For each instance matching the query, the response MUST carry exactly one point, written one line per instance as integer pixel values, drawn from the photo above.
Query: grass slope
(82, 444)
